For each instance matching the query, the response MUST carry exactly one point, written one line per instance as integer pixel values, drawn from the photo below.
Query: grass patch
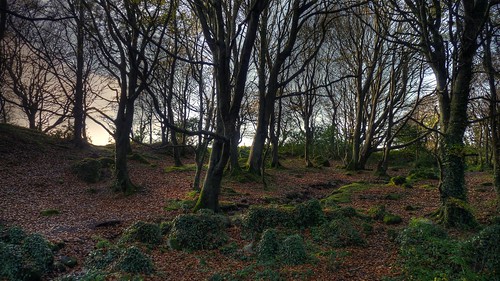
(344, 193)
(49, 212)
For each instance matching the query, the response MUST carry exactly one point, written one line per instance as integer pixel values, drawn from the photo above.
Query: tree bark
(79, 94)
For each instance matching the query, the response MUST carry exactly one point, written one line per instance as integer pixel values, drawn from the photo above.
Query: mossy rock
(102, 259)
(200, 231)
(344, 194)
(88, 170)
(377, 212)
(420, 231)
(148, 233)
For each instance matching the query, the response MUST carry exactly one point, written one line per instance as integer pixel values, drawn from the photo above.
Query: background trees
(349, 76)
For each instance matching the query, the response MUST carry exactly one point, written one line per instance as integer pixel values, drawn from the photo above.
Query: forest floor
(36, 175)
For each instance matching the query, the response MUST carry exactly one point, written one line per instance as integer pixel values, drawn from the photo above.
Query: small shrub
(134, 261)
(143, 232)
(419, 231)
(198, 231)
(342, 212)
(88, 170)
(11, 262)
(308, 214)
(267, 249)
(398, 180)
(292, 251)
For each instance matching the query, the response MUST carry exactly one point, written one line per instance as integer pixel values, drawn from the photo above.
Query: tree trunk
(79, 100)
(123, 125)
(275, 136)
(234, 164)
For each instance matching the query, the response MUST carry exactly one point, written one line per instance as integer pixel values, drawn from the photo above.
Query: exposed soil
(36, 177)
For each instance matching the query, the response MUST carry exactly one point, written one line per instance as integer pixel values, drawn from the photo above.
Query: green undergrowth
(183, 168)
(49, 212)
(429, 253)
(379, 213)
(344, 193)
(25, 256)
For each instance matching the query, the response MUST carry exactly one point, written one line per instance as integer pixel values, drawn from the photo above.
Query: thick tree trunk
(275, 136)
(123, 125)
(234, 164)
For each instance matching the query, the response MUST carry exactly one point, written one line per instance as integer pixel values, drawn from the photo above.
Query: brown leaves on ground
(36, 179)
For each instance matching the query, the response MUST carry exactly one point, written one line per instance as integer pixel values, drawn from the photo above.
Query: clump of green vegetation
(49, 212)
(292, 250)
(106, 162)
(482, 252)
(203, 230)
(165, 227)
(133, 260)
(88, 170)
(341, 212)
(260, 218)
(289, 250)
(338, 233)
(177, 204)
(379, 213)
(429, 254)
(422, 174)
(268, 246)
(344, 193)
(112, 258)
(139, 158)
(24, 257)
(303, 215)
(397, 180)
(148, 233)
(308, 214)
(392, 196)
(183, 168)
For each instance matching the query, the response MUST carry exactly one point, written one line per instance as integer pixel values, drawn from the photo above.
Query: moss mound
(289, 250)
(292, 251)
(88, 170)
(203, 230)
(148, 233)
(338, 233)
(134, 261)
(24, 257)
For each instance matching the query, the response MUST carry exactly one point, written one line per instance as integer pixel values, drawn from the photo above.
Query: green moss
(260, 218)
(344, 193)
(15, 235)
(392, 196)
(308, 214)
(268, 246)
(88, 170)
(183, 168)
(138, 158)
(165, 227)
(203, 230)
(143, 232)
(134, 261)
(338, 233)
(49, 212)
(176, 204)
(392, 219)
(482, 251)
(292, 251)
(397, 180)
(377, 212)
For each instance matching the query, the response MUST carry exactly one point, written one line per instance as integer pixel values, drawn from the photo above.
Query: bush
(292, 251)
(102, 259)
(377, 212)
(419, 231)
(198, 231)
(134, 261)
(15, 235)
(143, 232)
(342, 212)
(38, 254)
(88, 170)
(308, 214)
(483, 251)
(338, 233)
(11, 262)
